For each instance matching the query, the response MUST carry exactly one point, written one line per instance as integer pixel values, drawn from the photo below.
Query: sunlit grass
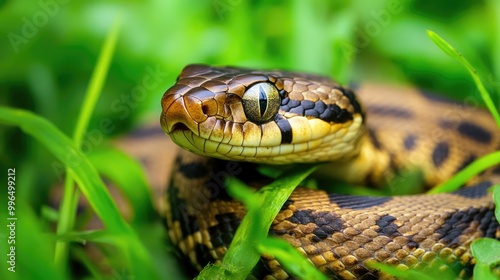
(119, 232)
(71, 195)
(132, 256)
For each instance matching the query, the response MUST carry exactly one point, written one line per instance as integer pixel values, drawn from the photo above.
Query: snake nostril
(205, 109)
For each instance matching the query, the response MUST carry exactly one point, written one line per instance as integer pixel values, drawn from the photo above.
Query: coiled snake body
(229, 116)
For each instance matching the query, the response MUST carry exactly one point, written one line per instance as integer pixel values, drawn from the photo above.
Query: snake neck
(370, 166)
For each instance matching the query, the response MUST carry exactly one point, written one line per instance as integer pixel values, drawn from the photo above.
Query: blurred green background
(49, 49)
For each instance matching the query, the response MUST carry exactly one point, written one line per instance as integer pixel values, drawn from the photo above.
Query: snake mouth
(179, 127)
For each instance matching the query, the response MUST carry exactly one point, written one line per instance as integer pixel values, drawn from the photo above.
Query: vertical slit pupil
(262, 101)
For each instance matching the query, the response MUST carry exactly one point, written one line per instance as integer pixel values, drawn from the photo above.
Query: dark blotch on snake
(359, 270)
(223, 232)
(357, 202)
(318, 109)
(297, 110)
(477, 191)
(373, 275)
(283, 94)
(387, 227)
(410, 142)
(333, 113)
(395, 112)
(474, 132)
(352, 99)
(285, 128)
(189, 224)
(203, 254)
(373, 136)
(464, 220)
(311, 113)
(301, 217)
(284, 101)
(287, 104)
(412, 244)
(307, 104)
(327, 223)
(440, 153)
(319, 218)
(193, 170)
(300, 110)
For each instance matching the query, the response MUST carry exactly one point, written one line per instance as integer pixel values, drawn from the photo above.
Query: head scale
(273, 117)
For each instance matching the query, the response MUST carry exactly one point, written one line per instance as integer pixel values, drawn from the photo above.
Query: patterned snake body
(231, 117)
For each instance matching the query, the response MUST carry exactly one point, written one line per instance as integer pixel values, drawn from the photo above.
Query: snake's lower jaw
(180, 137)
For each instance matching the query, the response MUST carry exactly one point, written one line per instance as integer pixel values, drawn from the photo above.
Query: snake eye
(261, 102)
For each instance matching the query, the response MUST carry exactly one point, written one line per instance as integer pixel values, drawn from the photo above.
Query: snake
(230, 120)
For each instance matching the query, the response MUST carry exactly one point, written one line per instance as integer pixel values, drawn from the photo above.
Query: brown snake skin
(341, 234)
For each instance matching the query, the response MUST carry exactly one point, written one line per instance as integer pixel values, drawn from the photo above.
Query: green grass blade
(468, 172)
(290, 258)
(129, 177)
(486, 250)
(452, 52)
(89, 182)
(97, 81)
(263, 207)
(70, 197)
(496, 199)
(84, 236)
(487, 254)
(409, 274)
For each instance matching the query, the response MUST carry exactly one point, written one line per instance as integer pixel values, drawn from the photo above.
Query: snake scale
(230, 118)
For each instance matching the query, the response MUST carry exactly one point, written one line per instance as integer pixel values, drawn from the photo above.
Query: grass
(482, 248)
(70, 199)
(131, 255)
(118, 231)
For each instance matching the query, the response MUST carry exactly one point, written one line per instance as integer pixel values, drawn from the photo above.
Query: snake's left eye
(261, 102)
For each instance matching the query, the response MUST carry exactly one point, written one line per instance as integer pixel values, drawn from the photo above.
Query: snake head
(272, 117)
